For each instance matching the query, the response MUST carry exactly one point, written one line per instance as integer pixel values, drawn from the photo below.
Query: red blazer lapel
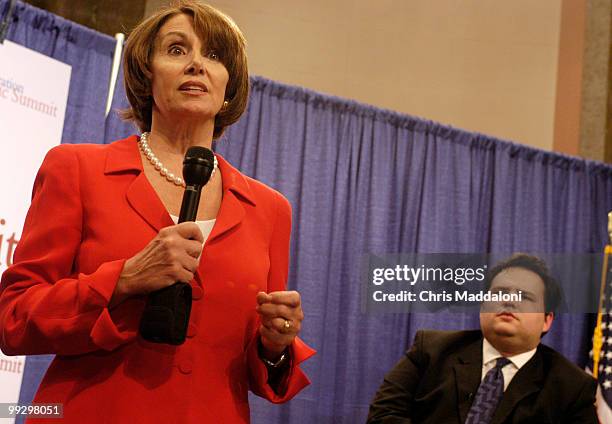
(236, 191)
(124, 157)
(143, 199)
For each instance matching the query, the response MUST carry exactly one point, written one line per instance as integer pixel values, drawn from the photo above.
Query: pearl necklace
(146, 150)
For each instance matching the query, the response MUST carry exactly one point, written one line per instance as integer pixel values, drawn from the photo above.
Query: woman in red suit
(99, 236)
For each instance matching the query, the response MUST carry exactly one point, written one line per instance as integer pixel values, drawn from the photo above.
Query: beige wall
(483, 65)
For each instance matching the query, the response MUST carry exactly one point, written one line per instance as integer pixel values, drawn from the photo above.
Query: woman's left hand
(281, 320)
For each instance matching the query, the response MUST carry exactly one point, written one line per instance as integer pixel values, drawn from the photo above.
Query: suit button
(196, 292)
(191, 330)
(185, 366)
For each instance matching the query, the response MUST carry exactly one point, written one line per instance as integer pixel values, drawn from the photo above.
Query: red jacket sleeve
(45, 305)
(296, 379)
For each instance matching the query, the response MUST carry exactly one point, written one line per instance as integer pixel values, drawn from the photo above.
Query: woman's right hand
(173, 255)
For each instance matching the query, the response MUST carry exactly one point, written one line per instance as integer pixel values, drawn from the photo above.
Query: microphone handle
(191, 201)
(166, 315)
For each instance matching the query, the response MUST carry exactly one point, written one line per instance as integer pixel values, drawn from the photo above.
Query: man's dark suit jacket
(435, 382)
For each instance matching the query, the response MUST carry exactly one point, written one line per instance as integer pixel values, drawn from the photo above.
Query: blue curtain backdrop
(364, 180)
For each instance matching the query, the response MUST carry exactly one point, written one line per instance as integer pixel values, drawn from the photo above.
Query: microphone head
(198, 165)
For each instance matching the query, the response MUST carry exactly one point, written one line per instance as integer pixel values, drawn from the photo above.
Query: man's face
(515, 327)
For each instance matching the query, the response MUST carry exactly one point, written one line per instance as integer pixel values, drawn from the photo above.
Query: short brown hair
(216, 30)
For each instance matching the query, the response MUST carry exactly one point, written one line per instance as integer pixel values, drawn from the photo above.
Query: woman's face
(188, 79)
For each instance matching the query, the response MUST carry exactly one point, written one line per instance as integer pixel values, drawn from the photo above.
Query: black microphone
(166, 314)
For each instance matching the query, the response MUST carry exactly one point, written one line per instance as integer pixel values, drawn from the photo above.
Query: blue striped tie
(488, 395)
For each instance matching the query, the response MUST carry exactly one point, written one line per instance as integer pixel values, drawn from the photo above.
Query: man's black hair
(552, 292)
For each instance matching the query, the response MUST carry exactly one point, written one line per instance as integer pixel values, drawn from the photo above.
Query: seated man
(501, 374)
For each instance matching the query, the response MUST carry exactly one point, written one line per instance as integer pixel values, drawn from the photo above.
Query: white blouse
(205, 226)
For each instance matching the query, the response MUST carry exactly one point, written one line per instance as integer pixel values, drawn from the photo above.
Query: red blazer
(93, 208)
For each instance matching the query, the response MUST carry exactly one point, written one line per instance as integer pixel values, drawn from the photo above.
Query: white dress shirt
(490, 355)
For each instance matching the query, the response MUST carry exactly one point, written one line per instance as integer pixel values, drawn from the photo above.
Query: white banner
(33, 97)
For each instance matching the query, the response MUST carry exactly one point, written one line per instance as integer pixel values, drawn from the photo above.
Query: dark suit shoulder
(560, 391)
(555, 364)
